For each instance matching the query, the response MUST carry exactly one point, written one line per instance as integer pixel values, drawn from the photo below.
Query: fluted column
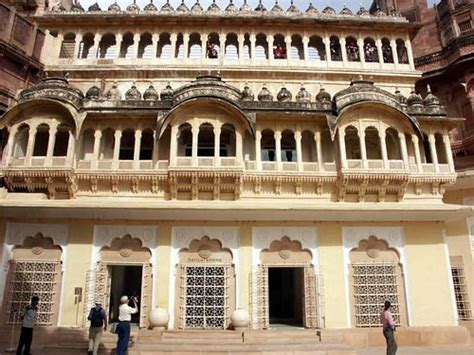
(363, 149)
(185, 46)
(434, 155)
(241, 39)
(222, 38)
(238, 147)
(173, 38)
(327, 45)
(194, 150)
(203, 47)
(136, 149)
(393, 45)
(96, 45)
(342, 148)
(31, 144)
(416, 146)
(258, 150)
(383, 148)
(10, 145)
(299, 155)
(288, 49)
(154, 44)
(118, 45)
(154, 154)
(270, 47)
(117, 136)
(217, 144)
(342, 41)
(360, 43)
(77, 45)
(173, 145)
(319, 150)
(71, 149)
(403, 146)
(95, 158)
(53, 129)
(378, 44)
(306, 50)
(136, 44)
(278, 149)
(411, 61)
(449, 153)
(252, 48)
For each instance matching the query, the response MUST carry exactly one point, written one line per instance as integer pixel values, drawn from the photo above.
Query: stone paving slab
(408, 350)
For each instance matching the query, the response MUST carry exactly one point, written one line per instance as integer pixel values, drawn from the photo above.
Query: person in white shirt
(123, 328)
(28, 319)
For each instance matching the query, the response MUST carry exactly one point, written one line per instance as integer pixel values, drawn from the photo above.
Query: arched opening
(67, 47)
(126, 49)
(308, 147)
(370, 50)
(107, 144)
(232, 47)
(440, 149)
(146, 145)
(279, 47)
(402, 52)
(246, 53)
(261, 46)
(62, 142)
(227, 140)
(268, 145)
(213, 45)
(145, 46)
(107, 46)
(288, 146)
(352, 143)
(179, 51)
(352, 50)
(40, 148)
(127, 144)
(87, 145)
(21, 141)
(185, 140)
(372, 143)
(86, 46)
(335, 47)
(392, 142)
(164, 46)
(316, 49)
(297, 52)
(387, 51)
(327, 147)
(206, 140)
(194, 46)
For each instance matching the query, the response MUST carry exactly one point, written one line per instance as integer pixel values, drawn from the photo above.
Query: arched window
(392, 142)
(308, 147)
(440, 149)
(297, 52)
(268, 145)
(227, 141)
(126, 49)
(21, 141)
(247, 45)
(352, 49)
(179, 51)
(279, 47)
(164, 46)
(206, 140)
(87, 145)
(316, 49)
(67, 47)
(232, 47)
(213, 46)
(370, 50)
(62, 142)
(145, 46)
(185, 140)
(335, 47)
(194, 46)
(327, 146)
(107, 46)
(288, 146)
(107, 144)
(402, 52)
(387, 51)
(372, 143)
(127, 145)
(146, 145)
(85, 48)
(40, 148)
(352, 143)
(261, 46)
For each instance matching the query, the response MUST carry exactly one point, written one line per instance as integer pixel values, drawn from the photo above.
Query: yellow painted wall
(429, 287)
(245, 265)
(162, 278)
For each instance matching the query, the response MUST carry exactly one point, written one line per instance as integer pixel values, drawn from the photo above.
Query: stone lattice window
(29, 278)
(461, 289)
(374, 283)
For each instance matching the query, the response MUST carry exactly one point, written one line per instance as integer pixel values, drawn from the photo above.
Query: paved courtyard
(408, 350)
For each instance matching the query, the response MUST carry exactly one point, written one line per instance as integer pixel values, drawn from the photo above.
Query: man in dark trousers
(98, 319)
(386, 318)
(28, 319)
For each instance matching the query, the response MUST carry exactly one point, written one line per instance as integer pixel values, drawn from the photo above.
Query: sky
(301, 4)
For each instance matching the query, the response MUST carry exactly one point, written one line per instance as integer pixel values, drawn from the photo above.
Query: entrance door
(124, 280)
(285, 293)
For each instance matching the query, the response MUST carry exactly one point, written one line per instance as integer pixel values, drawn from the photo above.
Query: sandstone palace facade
(208, 160)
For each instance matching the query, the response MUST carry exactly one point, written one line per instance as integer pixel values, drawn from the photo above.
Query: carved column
(185, 46)
(449, 153)
(416, 146)
(173, 46)
(378, 44)
(360, 43)
(383, 148)
(117, 136)
(252, 48)
(258, 150)
(118, 45)
(393, 45)
(342, 41)
(154, 154)
(97, 138)
(77, 45)
(10, 145)
(53, 129)
(59, 41)
(154, 45)
(217, 144)
(136, 149)
(270, 47)
(363, 149)
(299, 152)
(31, 144)
(411, 61)
(136, 45)
(288, 49)
(195, 131)
(319, 150)
(342, 148)
(238, 147)
(305, 50)
(222, 38)
(278, 149)
(403, 146)
(96, 45)
(203, 47)
(173, 145)
(241, 39)
(71, 149)
(434, 155)
(327, 45)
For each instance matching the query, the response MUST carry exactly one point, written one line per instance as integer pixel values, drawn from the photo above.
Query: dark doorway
(285, 292)
(124, 280)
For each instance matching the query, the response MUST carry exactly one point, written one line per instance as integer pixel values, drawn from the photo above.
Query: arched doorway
(205, 285)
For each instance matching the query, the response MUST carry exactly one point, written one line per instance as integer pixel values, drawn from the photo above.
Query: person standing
(28, 319)
(386, 318)
(98, 319)
(123, 328)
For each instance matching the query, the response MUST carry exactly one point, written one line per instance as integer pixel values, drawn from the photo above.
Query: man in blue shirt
(28, 319)
(98, 319)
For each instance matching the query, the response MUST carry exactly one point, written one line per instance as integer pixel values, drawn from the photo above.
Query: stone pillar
(252, 48)
(53, 129)
(403, 146)
(278, 149)
(173, 145)
(185, 46)
(195, 131)
(449, 153)
(360, 43)
(136, 45)
(97, 138)
(117, 136)
(299, 152)
(288, 49)
(306, 50)
(434, 155)
(342, 148)
(222, 38)
(154, 154)
(31, 144)
(154, 44)
(393, 45)
(118, 44)
(173, 46)
(59, 41)
(414, 139)
(411, 61)
(327, 46)
(217, 144)
(342, 41)
(319, 149)
(136, 149)
(97, 38)
(378, 44)
(77, 45)
(71, 149)
(258, 150)
(203, 47)
(10, 146)
(363, 149)
(270, 47)
(238, 147)
(383, 148)
(241, 39)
